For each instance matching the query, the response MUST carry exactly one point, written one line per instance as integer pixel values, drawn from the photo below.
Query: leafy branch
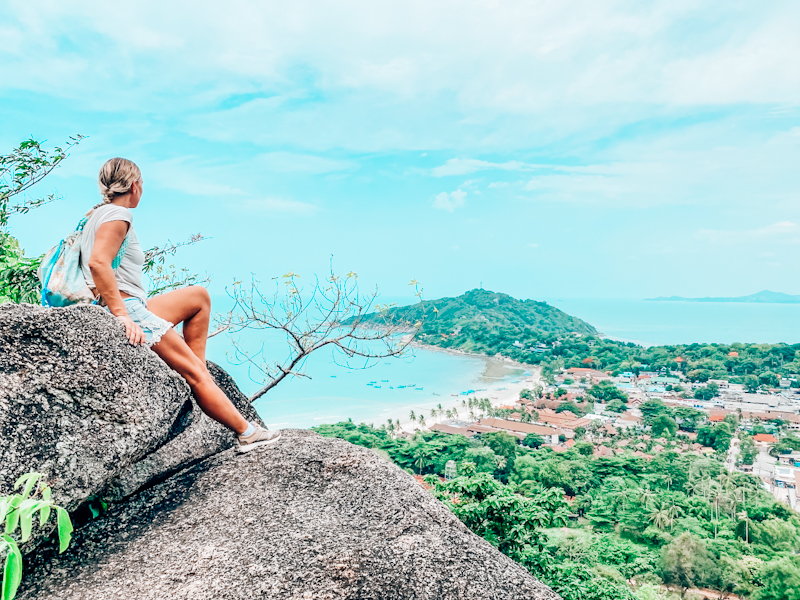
(17, 512)
(28, 164)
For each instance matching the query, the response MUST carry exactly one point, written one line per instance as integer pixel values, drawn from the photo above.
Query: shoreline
(502, 389)
(482, 374)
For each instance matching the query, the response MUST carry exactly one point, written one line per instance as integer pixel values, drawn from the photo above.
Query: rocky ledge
(306, 517)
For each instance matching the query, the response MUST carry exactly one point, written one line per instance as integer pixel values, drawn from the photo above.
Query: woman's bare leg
(190, 306)
(176, 353)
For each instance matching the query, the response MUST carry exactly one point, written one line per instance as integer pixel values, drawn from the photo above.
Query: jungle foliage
(605, 528)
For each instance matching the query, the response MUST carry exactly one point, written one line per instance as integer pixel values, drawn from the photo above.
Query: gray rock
(306, 517)
(203, 437)
(77, 401)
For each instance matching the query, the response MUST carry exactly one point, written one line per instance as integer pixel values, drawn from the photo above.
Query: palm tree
(646, 496)
(663, 517)
(421, 457)
(421, 421)
(717, 494)
(413, 416)
(746, 517)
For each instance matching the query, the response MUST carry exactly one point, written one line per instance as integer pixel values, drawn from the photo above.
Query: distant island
(765, 297)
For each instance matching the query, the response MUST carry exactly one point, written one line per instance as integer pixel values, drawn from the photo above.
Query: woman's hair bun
(116, 177)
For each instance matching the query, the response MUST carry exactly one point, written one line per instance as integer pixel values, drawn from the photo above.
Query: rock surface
(306, 517)
(77, 401)
(202, 437)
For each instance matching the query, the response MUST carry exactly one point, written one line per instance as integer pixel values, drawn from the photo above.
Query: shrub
(17, 511)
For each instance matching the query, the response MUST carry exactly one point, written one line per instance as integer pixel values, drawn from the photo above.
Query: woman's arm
(107, 243)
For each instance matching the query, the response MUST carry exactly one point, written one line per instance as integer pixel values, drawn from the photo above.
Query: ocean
(657, 323)
(391, 388)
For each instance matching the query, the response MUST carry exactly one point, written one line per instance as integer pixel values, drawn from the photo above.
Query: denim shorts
(153, 326)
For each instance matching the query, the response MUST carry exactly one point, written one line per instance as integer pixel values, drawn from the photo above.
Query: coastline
(504, 379)
(337, 395)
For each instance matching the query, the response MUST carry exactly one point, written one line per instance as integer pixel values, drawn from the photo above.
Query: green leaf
(4, 506)
(44, 513)
(12, 520)
(30, 480)
(25, 525)
(64, 528)
(12, 570)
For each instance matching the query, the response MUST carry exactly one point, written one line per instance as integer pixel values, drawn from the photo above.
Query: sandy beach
(501, 382)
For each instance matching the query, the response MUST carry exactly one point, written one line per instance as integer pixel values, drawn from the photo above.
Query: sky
(580, 149)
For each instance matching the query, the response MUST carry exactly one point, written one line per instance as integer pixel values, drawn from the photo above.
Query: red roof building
(764, 437)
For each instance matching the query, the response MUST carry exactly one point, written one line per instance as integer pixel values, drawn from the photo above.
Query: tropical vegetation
(606, 528)
(536, 333)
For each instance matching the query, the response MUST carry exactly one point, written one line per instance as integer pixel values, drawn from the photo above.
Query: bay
(386, 389)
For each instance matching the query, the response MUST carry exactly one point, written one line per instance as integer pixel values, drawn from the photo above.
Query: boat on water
(418, 389)
(400, 387)
(377, 387)
(435, 394)
(384, 381)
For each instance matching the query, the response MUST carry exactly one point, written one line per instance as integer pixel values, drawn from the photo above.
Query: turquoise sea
(335, 392)
(655, 323)
(386, 389)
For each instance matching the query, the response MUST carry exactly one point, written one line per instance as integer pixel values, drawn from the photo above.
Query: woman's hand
(133, 332)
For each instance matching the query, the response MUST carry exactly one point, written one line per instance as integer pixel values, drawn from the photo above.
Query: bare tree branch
(332, 314)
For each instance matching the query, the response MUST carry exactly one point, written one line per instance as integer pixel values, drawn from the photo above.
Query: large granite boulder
(77, 401)
(202, 437)
(305, 517)
(95, 414)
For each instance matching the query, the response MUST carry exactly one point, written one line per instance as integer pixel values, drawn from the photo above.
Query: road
(733, 453)
(764, 464)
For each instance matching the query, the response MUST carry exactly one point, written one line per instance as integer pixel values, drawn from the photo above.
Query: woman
(151, 321)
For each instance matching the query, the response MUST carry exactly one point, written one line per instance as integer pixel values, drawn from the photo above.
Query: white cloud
(412, 75)
(463, 166)
(278, 205)
(450, 201)
(303, 163)
(784, 231)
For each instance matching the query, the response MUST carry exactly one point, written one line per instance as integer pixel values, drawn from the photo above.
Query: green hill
(484, 321)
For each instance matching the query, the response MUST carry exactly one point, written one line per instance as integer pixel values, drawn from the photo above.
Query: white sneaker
(260, 437)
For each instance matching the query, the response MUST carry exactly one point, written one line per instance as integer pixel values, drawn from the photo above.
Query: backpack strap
(121, 253)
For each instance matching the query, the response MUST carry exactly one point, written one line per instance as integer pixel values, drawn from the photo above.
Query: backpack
(60, 272)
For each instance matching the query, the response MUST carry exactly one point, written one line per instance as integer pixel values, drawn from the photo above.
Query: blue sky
(545, 149)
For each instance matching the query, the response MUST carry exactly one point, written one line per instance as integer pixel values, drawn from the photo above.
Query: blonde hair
(116, 178)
